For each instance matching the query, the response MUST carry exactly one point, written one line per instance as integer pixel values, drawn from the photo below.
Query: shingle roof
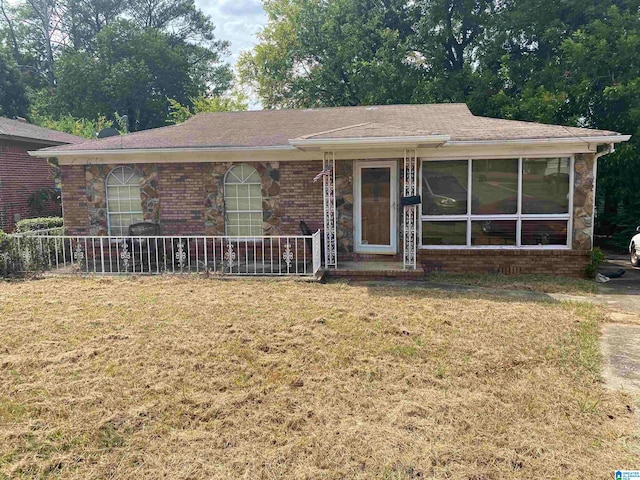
(27, 131)
(267, 128)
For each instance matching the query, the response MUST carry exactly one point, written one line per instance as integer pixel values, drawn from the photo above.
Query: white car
(634, 249)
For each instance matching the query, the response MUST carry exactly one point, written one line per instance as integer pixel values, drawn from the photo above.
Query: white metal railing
(298, 255)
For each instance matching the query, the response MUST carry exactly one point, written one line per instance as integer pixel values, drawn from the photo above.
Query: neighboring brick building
(429, 186)
(21, 174)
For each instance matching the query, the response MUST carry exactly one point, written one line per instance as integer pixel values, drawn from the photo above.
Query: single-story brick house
(21, 175)
(419, 184)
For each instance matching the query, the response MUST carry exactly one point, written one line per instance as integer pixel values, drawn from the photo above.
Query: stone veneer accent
(96, 194)
(214, 174)
(344, 206)
(583, 201)
(180, 182)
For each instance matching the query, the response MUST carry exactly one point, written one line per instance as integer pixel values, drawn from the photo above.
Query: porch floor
(371, 270)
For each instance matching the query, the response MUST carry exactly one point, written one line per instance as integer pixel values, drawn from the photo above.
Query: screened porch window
(243, 202)
(124, 204)
(516, 202)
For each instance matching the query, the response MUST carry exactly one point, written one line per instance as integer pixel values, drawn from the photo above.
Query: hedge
(4, 247)
(31, 224)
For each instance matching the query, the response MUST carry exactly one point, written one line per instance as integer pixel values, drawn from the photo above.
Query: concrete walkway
(620, 342)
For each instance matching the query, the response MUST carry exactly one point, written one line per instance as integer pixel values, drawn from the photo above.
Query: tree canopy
(88, 59)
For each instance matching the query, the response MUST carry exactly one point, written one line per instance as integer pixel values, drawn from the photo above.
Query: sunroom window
(124, 204)
(516, 202)
(243, 201)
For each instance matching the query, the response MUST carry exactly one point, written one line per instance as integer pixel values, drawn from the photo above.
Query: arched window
(124, 205)
(243, 201)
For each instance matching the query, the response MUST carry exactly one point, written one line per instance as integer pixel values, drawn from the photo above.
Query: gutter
(129, 151)
(607, 150)
(602, 139)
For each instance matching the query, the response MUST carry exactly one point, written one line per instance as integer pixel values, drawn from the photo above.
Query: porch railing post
(329, 205)
(410, 212)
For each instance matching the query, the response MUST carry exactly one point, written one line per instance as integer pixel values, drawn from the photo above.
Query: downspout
(607, 150)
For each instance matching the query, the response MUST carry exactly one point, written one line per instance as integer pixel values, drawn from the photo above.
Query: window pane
(495, 187)
(544, 232)
(444, 233)
(545, 185)
(255, 192)
(444, 187)
(243, 203)
(493, 232)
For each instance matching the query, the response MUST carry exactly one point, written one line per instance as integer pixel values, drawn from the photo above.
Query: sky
(236, 21)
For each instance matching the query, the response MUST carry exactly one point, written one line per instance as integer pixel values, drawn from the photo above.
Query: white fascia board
(599, 140)
(369, 142)
(152, 151)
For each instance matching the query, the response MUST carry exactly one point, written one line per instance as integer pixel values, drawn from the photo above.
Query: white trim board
(477, 149)
(358, 246)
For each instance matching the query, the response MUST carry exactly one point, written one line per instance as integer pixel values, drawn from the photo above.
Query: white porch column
(329, 196)
(410, 213)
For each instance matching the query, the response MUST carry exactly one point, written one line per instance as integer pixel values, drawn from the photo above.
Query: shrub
(4, 253)
(31, 224)
(597, 257)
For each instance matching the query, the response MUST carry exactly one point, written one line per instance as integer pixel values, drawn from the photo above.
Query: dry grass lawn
(194, 378)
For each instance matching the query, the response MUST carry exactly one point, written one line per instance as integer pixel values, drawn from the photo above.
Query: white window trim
(519, 217)
(106, 196)
(253, 239)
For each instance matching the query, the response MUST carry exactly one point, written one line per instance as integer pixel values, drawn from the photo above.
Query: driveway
(620, 341)
(623, 292)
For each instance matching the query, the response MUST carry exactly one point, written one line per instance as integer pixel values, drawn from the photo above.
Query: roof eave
(22, 139)
(46, 153)
(380, 143)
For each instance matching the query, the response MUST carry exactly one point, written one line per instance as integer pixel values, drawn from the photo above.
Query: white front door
(375, 188)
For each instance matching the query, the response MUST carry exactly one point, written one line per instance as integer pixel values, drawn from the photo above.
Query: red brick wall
(300, 196)
(20, 176)
(182, 198)
(568, 263)
(182, 193)
(74, 199)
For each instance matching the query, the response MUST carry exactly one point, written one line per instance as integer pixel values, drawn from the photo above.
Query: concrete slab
(620, 346)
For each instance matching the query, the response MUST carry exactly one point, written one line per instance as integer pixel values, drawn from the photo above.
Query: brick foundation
(567, 263)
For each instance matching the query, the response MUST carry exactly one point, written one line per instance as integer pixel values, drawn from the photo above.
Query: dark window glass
(545, 185)
(444, 233)
(495, 187)
(493, 232)
(444, 187)
(544, 232)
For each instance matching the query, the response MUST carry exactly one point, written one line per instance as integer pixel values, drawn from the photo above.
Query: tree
(178, 113)
(132, 71)
(75, 126)
(85, 19)
(13, 97)
(448, 36)
(345, 52)
(602, 81)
